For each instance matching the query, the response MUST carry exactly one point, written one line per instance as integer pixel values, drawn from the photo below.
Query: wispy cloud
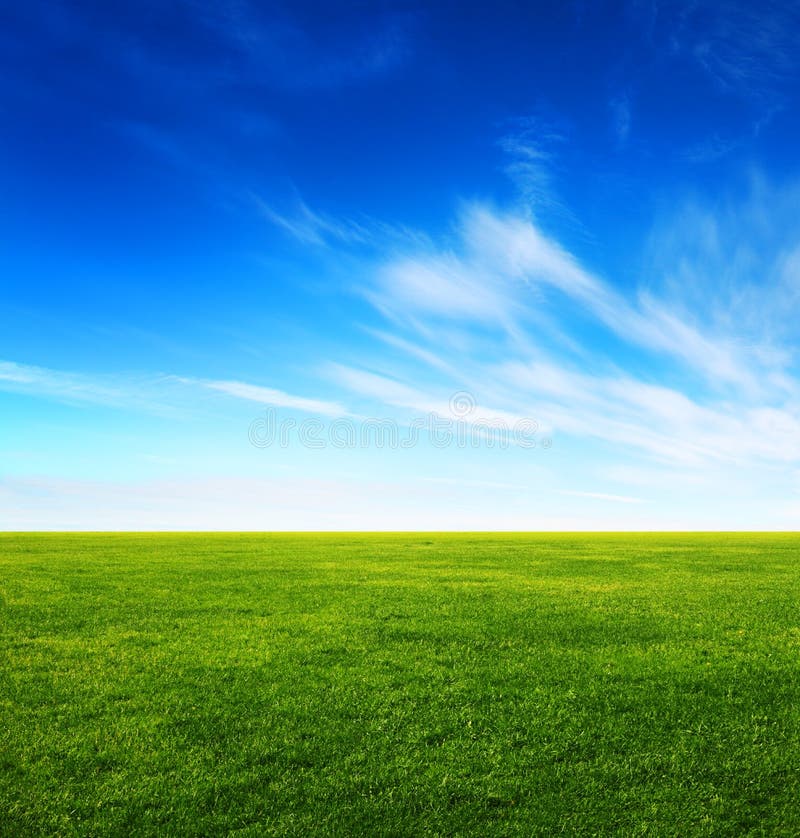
(155, 393)
(270, 396)
(737, 260)
(735, 399)
(416, 351)
(503, 273)
(314, 228)
(713, 148)
(446, 405)
(731, 403)
(311, 227)
(746, 48)
(620, 107)
(76, 388)
(531, 150)
(273, 44)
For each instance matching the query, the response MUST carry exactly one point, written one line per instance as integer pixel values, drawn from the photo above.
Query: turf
(421, 684)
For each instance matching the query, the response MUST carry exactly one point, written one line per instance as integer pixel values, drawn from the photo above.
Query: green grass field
(410, 684)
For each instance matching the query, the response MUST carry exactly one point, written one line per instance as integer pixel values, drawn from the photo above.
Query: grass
(414, 684)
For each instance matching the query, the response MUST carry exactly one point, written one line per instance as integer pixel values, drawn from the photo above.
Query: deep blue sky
(583, 213)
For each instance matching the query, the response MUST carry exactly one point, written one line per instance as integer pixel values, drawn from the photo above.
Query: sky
(352, 266)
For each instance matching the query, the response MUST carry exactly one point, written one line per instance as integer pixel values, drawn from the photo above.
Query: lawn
(403, 684)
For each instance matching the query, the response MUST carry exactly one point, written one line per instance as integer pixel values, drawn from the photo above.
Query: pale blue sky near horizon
(582, 215)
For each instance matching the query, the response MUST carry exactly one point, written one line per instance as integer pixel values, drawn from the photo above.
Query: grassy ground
(400, 684)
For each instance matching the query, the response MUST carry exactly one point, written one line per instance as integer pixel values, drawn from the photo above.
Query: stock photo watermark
(463, 428)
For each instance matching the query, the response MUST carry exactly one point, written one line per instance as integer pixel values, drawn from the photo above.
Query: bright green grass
(420, 684)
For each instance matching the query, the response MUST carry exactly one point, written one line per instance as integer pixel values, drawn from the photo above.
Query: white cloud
(418, 352)
(270, 396)
(657, 387)
(76, 388)
(501, 273)
(533, 149)
(159, 393)
(319, 229)
(445, 286)
(456, 405)
(731, 403)
(314, 228)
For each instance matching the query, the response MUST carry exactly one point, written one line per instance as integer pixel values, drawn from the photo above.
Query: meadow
(399, 684)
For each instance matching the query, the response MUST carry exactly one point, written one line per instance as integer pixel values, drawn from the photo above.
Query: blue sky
(578, 215)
